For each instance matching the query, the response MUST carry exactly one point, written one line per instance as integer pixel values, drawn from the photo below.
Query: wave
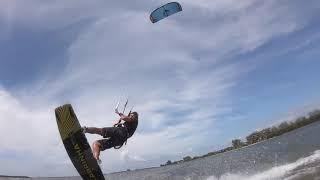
(307, 167)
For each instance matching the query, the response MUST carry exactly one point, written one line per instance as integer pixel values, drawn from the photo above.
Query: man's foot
(84, 129)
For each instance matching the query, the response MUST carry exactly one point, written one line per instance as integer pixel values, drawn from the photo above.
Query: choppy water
(292, 156)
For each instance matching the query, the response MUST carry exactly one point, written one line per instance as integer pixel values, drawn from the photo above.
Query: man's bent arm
(125, 118)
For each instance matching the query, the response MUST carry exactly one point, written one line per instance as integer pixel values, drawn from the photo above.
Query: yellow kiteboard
(76, 144)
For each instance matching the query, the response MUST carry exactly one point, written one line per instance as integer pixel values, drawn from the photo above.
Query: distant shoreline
(6, 176)
(259, 136)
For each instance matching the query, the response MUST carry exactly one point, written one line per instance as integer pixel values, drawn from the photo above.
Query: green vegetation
(262, 135)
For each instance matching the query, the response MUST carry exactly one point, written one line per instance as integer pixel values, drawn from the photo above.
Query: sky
(214, 72)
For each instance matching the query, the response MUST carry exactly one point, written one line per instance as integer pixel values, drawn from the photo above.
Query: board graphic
(76, 144)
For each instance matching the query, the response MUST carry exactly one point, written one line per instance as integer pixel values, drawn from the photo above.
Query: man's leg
(93, 130)
(96, 148)
(101, 145)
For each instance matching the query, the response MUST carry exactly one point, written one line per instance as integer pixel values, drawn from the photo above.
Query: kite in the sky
(165, 11)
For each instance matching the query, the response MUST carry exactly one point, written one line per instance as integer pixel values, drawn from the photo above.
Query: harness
(125, 142)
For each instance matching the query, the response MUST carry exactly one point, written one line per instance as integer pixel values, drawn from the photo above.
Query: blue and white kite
(165, 11)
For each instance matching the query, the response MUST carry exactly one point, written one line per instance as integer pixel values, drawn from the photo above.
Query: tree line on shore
(5, 176)
(260, 135)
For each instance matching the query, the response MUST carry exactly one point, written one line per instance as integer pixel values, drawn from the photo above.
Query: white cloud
(28, 133)
(21, 123)
(125, 156)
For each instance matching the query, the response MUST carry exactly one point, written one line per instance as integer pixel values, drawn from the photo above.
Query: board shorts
(114, 136)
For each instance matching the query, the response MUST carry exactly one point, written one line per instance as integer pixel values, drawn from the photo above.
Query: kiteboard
(76, 144)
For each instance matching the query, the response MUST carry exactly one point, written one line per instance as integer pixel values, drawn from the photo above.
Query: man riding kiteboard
(114, 136)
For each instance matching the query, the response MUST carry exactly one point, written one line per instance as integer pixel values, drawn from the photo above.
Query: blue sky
(214, 72)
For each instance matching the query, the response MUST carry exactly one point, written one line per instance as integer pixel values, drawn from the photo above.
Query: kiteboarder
(114, 136)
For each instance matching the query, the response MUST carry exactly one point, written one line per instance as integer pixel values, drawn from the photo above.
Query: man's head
(134, 115)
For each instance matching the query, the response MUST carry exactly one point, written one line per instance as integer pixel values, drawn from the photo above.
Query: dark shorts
(114, 136)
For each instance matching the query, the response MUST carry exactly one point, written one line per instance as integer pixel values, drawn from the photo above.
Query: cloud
(30, 135)
(125, 156)
(20, 122)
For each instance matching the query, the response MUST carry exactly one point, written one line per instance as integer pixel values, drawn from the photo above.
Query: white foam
(277, 172)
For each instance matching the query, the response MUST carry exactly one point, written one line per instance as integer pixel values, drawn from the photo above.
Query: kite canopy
(165, 11)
